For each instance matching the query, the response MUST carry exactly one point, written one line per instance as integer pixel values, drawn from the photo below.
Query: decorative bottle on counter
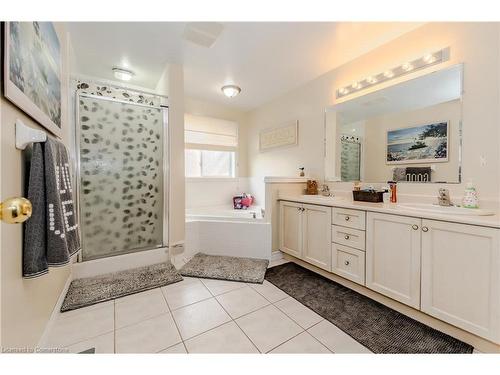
(470, 199)
(393, 191)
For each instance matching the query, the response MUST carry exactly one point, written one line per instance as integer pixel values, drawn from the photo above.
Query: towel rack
(26, 135)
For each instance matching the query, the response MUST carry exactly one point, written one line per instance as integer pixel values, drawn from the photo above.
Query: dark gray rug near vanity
(378, 327)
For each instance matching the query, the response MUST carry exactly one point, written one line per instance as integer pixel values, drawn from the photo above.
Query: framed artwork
(286, 135)
(419, 144)
(32, 71)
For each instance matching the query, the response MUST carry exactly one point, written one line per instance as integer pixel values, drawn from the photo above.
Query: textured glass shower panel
(121, 175)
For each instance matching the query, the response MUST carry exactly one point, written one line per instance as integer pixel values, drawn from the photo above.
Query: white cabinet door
(393, 257)
(291, 228)
(460, 276)
(317, 221)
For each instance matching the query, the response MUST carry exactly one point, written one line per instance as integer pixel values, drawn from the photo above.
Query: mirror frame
(330, 130)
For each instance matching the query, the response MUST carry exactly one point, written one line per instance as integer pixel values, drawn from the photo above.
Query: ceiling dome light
(123, 74)
(231, 90)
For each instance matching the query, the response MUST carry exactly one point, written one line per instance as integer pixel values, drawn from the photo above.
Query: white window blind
(211, 146)
(211, 132)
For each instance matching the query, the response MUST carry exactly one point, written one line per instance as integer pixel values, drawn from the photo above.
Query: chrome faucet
(325, 191)
(444, 198)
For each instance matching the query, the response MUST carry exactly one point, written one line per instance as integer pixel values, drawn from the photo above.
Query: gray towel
(51, 235)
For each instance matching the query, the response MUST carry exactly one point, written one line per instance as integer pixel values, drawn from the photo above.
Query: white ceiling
(265, 59)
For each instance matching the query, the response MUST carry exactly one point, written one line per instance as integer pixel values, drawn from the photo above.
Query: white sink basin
(452, 210)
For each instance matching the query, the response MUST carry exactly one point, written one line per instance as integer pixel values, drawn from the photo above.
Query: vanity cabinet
(291, 228)
(305, 232)
(461, 276)
(393, 257)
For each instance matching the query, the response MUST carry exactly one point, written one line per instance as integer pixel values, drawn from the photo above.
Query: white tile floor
(201, 316)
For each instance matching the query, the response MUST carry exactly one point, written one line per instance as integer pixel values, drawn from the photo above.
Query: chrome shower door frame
(165, 169)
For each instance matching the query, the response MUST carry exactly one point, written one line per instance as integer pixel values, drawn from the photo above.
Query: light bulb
(371, 80)
(357, 85)
(407, 67)
(388, 74)
(429, 58)
(343, 91)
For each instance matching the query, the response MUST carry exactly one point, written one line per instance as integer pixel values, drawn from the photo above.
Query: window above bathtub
(211, 147)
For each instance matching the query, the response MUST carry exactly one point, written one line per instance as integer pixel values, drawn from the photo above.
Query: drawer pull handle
(414, 226)
(347, 218)
(425, 229)
(347, 262)
(347, 237)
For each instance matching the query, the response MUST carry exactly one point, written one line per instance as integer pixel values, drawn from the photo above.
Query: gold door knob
(15, 210)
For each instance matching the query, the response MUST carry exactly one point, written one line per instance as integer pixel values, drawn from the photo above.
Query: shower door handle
(15, 210)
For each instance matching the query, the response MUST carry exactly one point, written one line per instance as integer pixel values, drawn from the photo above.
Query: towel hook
(26, 135)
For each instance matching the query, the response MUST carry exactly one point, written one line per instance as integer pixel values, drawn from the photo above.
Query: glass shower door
(121, 176)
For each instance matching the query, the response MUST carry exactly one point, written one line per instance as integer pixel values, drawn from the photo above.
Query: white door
(393, 257)
(291, 228)
(460, 276)
(316, 243)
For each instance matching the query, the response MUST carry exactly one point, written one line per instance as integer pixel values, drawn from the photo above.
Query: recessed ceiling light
(123, 74)
(231, 90)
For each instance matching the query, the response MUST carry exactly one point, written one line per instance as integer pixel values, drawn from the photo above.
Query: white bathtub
(221, 230)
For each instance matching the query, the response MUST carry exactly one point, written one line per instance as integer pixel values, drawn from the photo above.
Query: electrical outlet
(482, 161)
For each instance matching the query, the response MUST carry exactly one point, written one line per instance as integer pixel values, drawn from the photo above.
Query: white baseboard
(276, 255)
(55, 312)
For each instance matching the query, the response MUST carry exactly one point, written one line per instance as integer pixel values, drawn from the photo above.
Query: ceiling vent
(203, 34)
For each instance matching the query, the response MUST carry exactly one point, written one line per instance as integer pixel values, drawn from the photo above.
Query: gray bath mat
(220, 267)
(92, 290)
(378, 327)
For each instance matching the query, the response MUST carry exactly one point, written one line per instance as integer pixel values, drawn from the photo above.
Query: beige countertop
(394, 209)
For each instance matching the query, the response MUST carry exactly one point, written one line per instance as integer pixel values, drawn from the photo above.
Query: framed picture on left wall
(32, 71)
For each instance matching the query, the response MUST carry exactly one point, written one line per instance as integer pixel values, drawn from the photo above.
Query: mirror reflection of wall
(406, 132)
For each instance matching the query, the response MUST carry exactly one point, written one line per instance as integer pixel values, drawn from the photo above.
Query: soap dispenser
(470, 199)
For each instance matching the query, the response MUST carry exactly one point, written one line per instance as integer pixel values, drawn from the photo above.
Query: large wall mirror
(408, 132)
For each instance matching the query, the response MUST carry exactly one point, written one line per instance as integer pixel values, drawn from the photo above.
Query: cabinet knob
(347, 262)
(347, 218)
(347, 237)
(414, 226)
(425, 229)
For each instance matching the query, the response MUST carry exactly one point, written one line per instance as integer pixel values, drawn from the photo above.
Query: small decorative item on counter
(312, 187)
(393, 191)
(242, 202)
(470, 199)
(386, 196)
(368, 195)
(357, 186)
(302, 174)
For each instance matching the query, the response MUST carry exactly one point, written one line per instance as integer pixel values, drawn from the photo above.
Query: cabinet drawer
(349, 218)
(349, 237)
(348, 263)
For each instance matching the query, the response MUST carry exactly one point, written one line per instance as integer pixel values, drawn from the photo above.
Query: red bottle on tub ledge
(242, 202)
(393, 191)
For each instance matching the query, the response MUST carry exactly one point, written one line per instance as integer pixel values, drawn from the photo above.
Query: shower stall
(121, 171)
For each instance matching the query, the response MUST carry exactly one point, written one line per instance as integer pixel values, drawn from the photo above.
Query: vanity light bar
(425, 61)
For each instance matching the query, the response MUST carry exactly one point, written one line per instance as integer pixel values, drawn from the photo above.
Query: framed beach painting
(32, 71)
(419, 144)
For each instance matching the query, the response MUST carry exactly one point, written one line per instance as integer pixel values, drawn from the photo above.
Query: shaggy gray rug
(92, 290)
(226, 268)
(378, 327)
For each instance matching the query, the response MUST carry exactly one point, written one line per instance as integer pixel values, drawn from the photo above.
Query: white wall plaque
(286, 135)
